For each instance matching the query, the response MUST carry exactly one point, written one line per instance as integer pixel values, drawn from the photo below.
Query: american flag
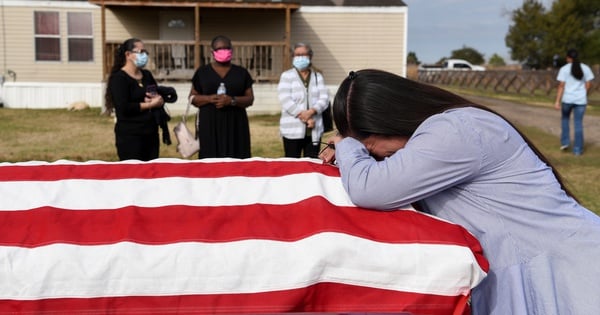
(215, 236)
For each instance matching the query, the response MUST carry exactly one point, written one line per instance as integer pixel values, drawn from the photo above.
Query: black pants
(138, 147)
(294, 147)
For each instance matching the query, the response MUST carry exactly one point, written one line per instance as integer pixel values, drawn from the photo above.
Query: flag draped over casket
(218, 236)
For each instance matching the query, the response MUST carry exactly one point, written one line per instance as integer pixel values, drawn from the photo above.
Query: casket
(217, 236)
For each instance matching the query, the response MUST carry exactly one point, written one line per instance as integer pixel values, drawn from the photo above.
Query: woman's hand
(557, 105)
(221, 100)
(306, 115)
(153, 101)
(328, 153)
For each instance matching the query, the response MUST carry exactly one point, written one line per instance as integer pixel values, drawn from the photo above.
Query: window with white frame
(47, 36)
(80, 36)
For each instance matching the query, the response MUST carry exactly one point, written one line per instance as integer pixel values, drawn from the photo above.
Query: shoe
(564, 147)
(577, 153)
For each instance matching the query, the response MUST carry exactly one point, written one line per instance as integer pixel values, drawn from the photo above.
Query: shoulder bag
(188, 144)
(326, 115)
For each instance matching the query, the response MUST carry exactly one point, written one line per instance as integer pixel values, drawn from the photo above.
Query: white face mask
(141, 59)
(301, 62)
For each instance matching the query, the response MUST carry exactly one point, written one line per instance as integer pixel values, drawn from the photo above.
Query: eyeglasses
(140, 51)
(222, 48)
(327, 145)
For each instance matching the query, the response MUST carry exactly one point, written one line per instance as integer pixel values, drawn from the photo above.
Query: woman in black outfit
(136, 130)
(223, 126)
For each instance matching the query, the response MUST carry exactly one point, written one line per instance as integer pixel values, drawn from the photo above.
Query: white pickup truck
(452, 64)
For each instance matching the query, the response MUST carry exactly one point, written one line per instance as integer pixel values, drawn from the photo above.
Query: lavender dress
(470, 167)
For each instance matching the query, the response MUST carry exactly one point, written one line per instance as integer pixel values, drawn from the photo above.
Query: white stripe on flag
(221, 191)
(129, 269)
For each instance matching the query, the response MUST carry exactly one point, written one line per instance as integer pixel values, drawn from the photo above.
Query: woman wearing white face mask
(303, 97)
(136, 130)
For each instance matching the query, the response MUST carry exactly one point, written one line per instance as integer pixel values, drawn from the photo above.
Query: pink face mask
(222, 55)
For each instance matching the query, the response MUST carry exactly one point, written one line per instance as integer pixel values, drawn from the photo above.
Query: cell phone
(151, 89)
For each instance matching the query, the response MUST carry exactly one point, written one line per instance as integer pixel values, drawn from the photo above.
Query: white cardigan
(294, 99)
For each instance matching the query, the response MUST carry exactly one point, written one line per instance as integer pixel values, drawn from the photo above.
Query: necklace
(133, 75)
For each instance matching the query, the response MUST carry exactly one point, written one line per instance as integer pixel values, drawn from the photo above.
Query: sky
(437, 27)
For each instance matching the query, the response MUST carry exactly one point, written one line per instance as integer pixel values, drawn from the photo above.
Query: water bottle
(221, 89)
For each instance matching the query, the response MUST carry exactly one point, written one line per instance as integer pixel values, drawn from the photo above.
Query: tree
(566, 28)
(590, 50)
(412, 59)
(526, 36)
(576, 24)
(496, 60)
(537, 35)
(469, 54)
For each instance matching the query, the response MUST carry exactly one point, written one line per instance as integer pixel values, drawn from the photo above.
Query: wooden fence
(510, 81)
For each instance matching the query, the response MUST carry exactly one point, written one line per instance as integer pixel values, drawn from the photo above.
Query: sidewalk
(544, 118)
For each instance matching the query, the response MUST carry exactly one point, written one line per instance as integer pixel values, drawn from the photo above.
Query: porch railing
(174, 60)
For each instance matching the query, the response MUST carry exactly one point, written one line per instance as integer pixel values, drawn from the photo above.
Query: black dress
(136, 131)
(223, 132)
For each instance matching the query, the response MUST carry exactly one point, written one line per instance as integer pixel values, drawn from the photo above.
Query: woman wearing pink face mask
(223, 127)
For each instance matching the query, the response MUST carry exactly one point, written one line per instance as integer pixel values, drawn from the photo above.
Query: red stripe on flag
(174, 223)
(322, 297)
(255, 168)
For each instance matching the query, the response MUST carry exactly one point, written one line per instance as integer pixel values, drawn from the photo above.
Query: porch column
(288, 32)
(197, 36)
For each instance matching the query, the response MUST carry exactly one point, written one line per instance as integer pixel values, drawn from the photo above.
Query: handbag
(327, 118)
(188, 143)
(327, 114)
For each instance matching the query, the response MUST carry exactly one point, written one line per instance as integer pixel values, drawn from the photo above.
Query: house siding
(18, 55)
(353, 39)
(123, 23)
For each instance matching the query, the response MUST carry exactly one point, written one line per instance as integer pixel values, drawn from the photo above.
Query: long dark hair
(378, 102)
(576, 70)
(119, 62)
